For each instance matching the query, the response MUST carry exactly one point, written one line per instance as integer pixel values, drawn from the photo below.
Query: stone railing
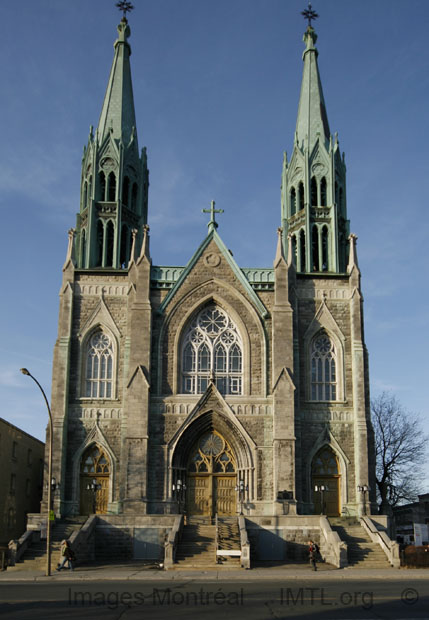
(390, 547)
(82, 541)
(18, 547)
(333, 549)
(244, 543)
(171, 542)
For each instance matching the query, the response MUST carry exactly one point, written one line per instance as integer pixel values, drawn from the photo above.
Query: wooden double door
(211, 494)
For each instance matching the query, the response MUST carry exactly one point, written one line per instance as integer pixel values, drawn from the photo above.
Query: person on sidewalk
(312, 553)
(67, 555)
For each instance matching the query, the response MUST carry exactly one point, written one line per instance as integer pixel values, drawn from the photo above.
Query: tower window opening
(110, 234)
(325, 254)
(85, 195)
(83, 248)
(313, 192)
(292, 201)
(125, 191)
(89, 191)
(212, 350)
(111, 187)
(134, 196)
(294, 250)
(125, 246)
(302, 251)
(100, 243)
(336, 193)
(340, 201)
(315, 247)
(323, 192)
(301, 196)
(102, 181)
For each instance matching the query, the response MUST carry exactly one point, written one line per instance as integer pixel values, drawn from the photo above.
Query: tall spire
(117, 115)
(115, 178)
(312, 118)
(313, 189)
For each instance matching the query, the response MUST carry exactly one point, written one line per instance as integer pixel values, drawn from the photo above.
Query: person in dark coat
(67, 555)
(312, 553)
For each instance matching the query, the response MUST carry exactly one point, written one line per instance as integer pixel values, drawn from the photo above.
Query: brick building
(211, 375)
(21, 464)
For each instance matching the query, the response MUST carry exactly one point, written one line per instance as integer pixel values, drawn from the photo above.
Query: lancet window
(99, 366)
(212, 350)
(323, 368)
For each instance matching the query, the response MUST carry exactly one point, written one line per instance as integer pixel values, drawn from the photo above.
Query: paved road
(321, 599)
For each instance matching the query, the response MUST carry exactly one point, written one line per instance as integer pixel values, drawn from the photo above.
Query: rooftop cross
(212, 224)
(125, 7)
(309, 14)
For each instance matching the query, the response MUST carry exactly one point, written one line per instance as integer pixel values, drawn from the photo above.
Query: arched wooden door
(325, 473)
(94, 473)
(211, 478)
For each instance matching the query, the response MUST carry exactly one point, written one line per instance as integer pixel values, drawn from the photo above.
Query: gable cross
(212, 223)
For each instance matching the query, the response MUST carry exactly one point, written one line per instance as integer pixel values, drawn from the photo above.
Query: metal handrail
(216, 537)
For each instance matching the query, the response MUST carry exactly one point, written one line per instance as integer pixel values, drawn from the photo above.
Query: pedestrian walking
(67, 555)
(312, 553)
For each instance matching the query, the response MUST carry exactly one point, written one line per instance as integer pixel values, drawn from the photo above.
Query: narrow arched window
(125, 245)
(126, 191)
(89, 191)
(134, 196)
(83, 248)
(340, 201)
(102, 183)
(325, 255)
(323, 368)
(302, 251)
(99, 366)
(292, 201)
(315, 247)
(212, 350)
(110, 233)
(301, 195)
(313, 192)
(111, 187)
(100, 243)
(323, 192)
(294, 250)
(85, 195)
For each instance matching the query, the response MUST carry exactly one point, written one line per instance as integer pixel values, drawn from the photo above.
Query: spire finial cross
(125, 7)
(212, 223)
(309, 14)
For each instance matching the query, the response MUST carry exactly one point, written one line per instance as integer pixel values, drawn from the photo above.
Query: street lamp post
(321, 488)
(179, 490)
(48, 527)
(364, 488)
(241, 489)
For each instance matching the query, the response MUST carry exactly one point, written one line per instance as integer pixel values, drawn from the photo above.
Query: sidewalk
(138, 571)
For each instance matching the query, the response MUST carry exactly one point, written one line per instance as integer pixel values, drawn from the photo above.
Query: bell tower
(313, 187)
(115, 177)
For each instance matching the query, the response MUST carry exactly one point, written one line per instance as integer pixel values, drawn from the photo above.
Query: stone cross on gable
(212, 223)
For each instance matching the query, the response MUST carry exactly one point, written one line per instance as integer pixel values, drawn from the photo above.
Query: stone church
(211, 389)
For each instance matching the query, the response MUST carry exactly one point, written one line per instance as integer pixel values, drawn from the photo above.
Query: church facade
(209, 388)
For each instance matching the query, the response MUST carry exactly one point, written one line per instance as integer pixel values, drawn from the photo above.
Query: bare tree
(400, 450)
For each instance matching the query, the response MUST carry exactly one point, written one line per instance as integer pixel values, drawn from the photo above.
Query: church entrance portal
(211, 478)
(94, 481)
(325, 473)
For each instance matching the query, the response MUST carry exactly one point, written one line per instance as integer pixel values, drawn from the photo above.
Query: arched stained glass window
(323, 368)
(212, 349)
(99, 366)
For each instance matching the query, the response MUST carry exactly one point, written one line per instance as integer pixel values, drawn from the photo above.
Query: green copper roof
(118, 115)
(312, 118)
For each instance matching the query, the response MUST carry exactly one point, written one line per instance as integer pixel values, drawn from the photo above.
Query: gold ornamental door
(211, 478)
(94, 481)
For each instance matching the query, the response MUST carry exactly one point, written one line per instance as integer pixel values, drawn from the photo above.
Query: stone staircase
(229, 539)
(361, 551)
(34, 557)
(196, 548)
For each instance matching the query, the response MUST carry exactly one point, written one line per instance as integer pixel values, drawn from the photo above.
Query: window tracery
(212, 349)
(99, 366)
(323, 368)
(212, 455)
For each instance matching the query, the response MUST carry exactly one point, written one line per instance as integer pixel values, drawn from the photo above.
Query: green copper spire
(313, 189)
(115, 177)
(312, 119)
(117, 114)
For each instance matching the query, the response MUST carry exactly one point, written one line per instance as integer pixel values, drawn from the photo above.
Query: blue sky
(216, 87)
